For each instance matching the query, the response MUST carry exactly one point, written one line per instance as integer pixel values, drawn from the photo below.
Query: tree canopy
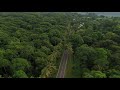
(31, 44)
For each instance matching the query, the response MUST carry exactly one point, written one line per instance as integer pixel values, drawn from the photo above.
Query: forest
(32, 44)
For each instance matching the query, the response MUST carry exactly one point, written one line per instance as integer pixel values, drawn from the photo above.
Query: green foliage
(10, 54)
(94, 74)
(113, 73)
(88, 75)
(40, 64)
(48, 71)
(2, 52)
(31, 44)
(76, 40)
(4, 63)
(85, 56)
(101, 59)
(20, 64)
(4, 39)
(20, 74)
(115, 60)
(45, 50)
(110, 35)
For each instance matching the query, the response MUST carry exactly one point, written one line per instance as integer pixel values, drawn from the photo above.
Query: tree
(20, 74)
(40, 63)
(10, 54)
(5, 66)
(37, 43)
(88, 75)
(26, 51)
(113, 73)
(2, 52)
(45, 50)
(115, 48)
(94, 74)
(96, 36)
(4, 62)
(101, 61)
(44, 36)
(4, 39)
(54, 33)
(39, 53)
(76, 40)
(20, 64)
(55, 40)
(98, 74)
(88, 40)
(110, 36)
(106, 43)
(115, 60)
(85, 56)
(69, 48)
(48, 71)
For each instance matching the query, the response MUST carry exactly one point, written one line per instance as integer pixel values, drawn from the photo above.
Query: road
(62, 66)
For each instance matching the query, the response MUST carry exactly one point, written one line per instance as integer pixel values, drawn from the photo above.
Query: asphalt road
(62, 66)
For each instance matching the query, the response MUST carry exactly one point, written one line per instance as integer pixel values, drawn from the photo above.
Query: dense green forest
(32, 44)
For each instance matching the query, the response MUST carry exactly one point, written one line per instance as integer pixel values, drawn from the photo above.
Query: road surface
(62, 66)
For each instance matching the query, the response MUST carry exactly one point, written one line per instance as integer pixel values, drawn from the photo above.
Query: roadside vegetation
(32, 44)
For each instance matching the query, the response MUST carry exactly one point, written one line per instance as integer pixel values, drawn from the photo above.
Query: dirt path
(63, 64)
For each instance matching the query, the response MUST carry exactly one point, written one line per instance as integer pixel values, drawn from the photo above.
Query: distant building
(81, 25)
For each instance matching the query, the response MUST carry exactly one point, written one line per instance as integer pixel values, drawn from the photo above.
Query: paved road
(62, 66)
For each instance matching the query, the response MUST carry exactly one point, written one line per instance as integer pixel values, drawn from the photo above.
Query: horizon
(115, 14)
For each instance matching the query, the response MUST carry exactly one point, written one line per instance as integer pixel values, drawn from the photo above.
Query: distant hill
(115, 14)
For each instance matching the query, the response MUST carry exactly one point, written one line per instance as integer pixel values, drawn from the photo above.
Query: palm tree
(48, 71)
